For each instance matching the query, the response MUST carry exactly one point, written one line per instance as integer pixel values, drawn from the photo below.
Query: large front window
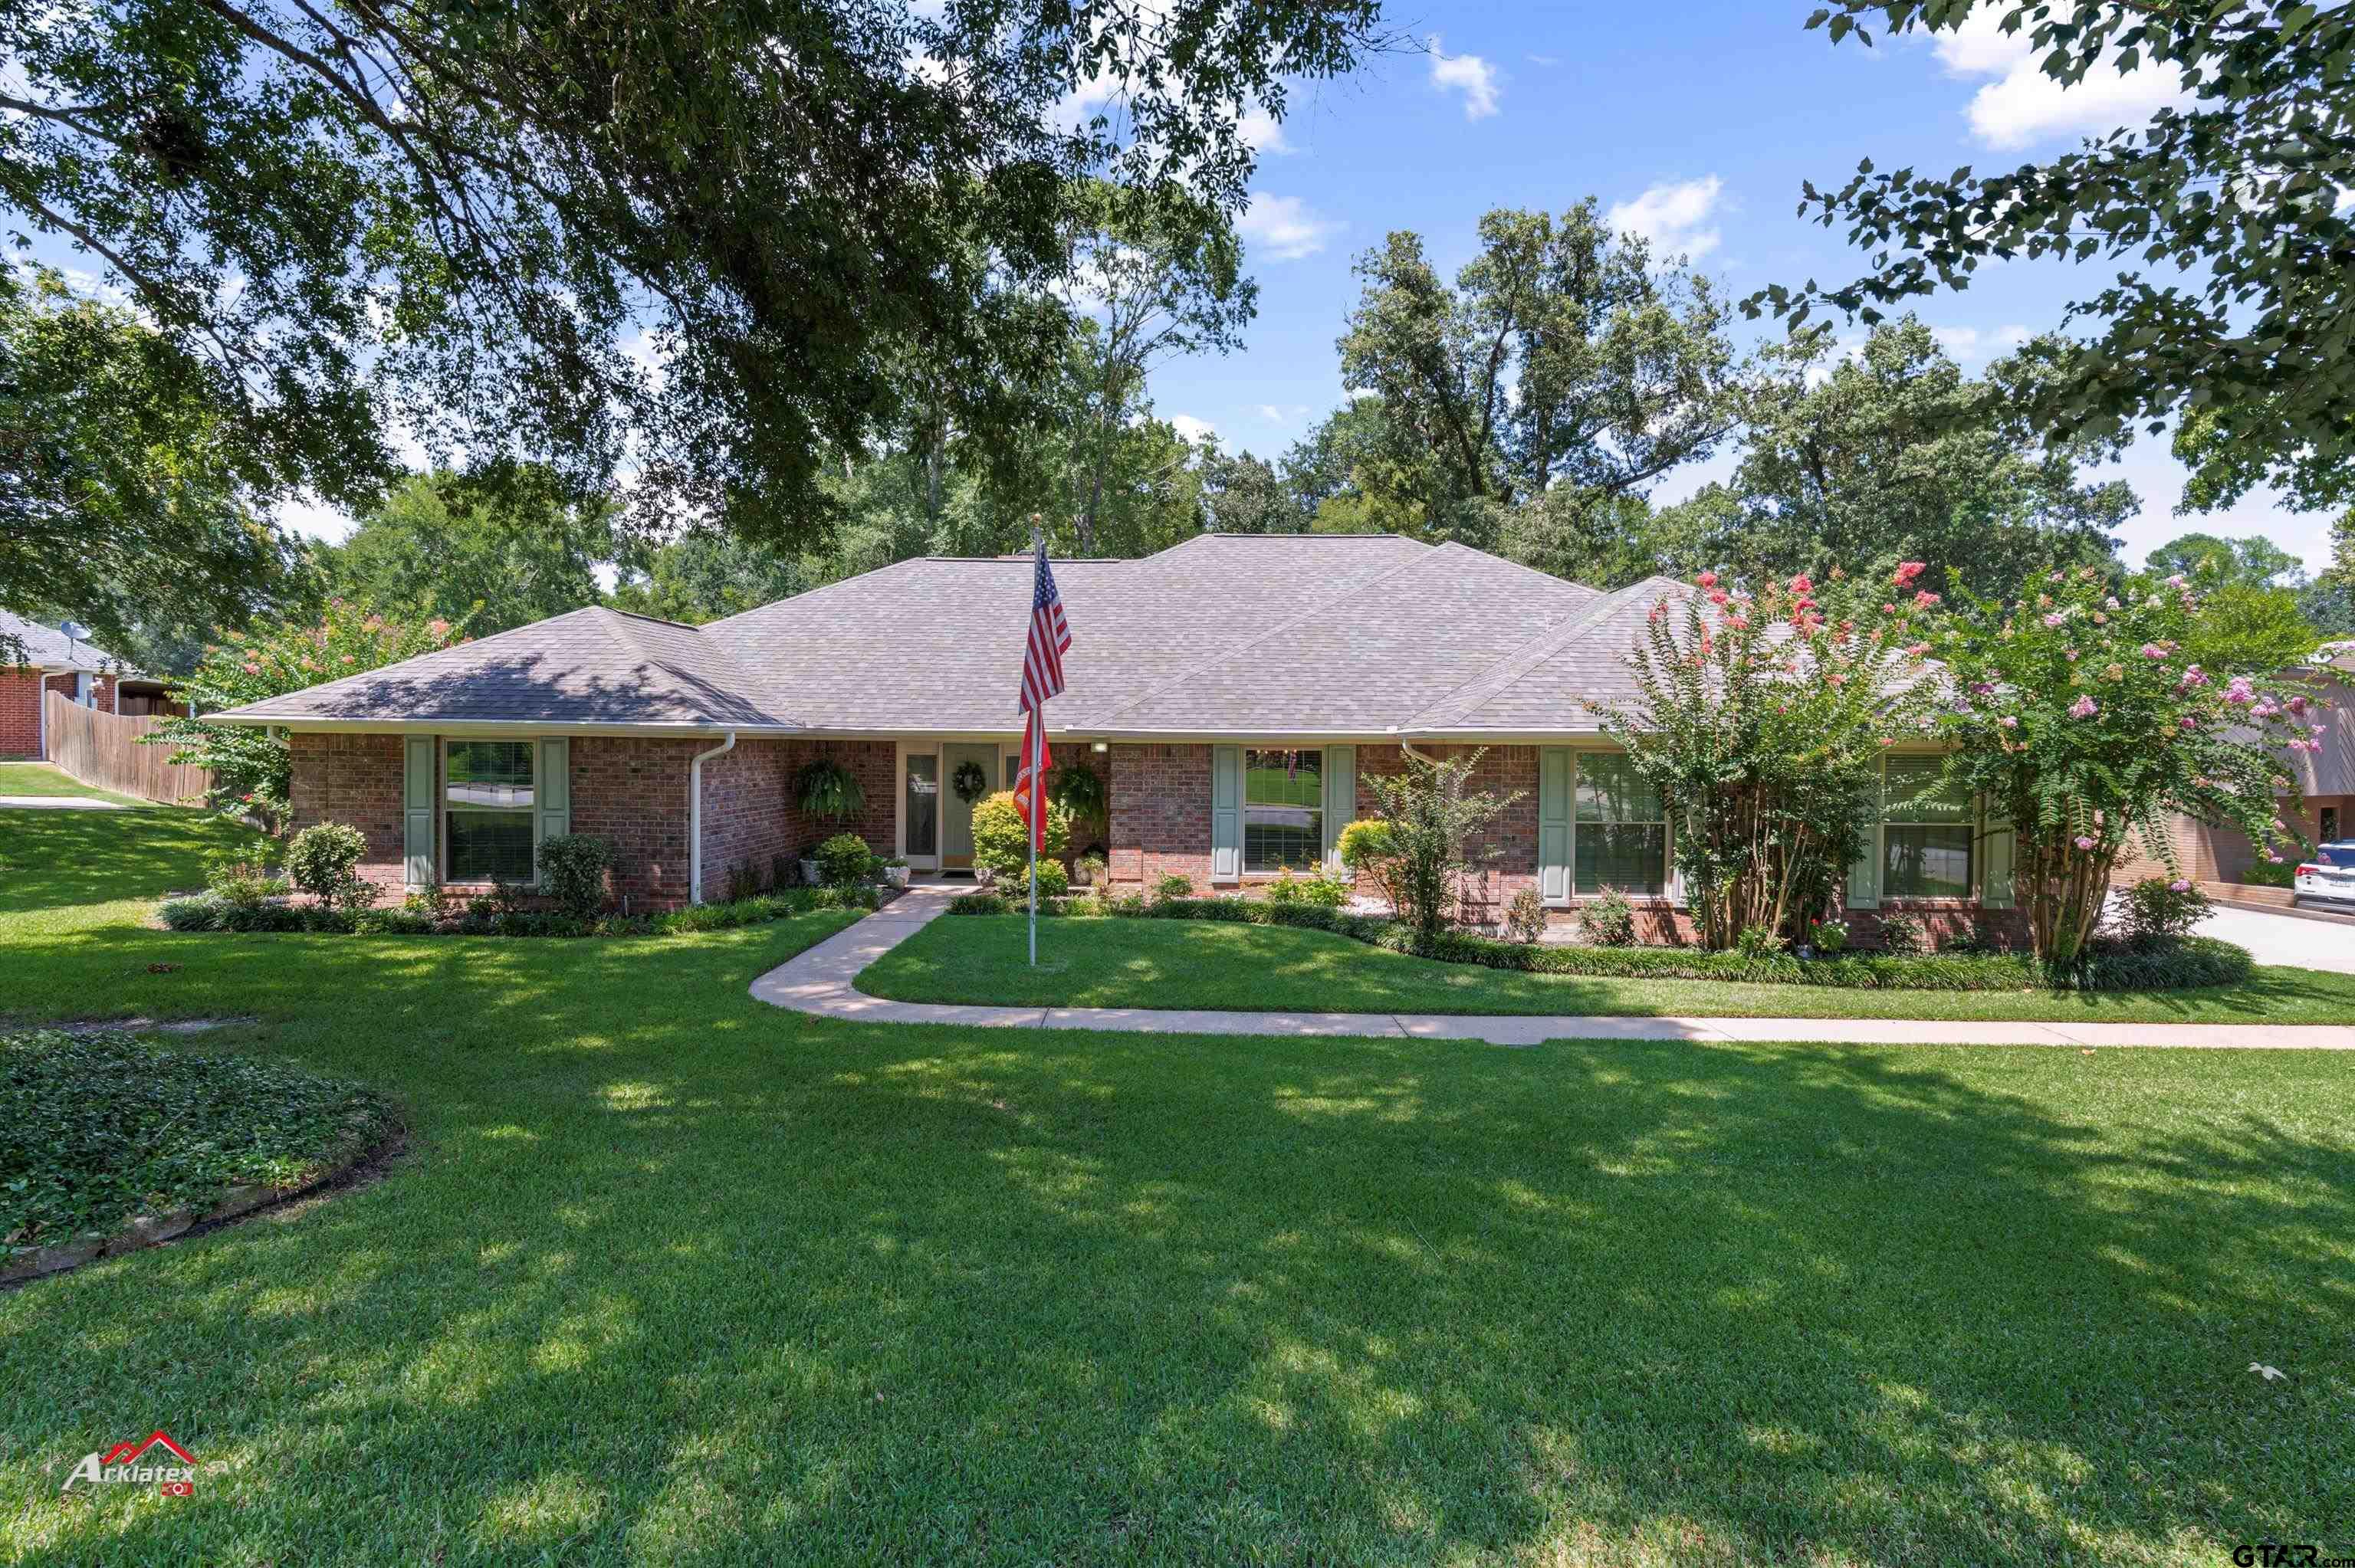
(1926, 833)
(1620, 833)
(486, 810)
(1283, 809)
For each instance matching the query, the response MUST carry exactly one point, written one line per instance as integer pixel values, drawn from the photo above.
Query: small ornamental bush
(1905, 934)
(323, 859)
(1054, 881)
(1369, 850)
(243, 877)
(1001, 839)
(1324, 891)
(1434, 821)
(572, 869)
(1525, 916)
(1759, 942)
(99, 1129)
(1173, 887)
(1828, 936)
(1285, 889)
(2158, 907)
(1608, 920)
(844, 860)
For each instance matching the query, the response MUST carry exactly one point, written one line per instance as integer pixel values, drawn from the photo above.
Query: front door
(956, 813)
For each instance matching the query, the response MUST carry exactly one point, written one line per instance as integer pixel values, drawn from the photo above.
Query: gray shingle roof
(1225, 633)
(52, 649)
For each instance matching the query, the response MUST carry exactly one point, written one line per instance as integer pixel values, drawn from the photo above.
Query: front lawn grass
(1119, 962)
(672, 1277)
(44, 779)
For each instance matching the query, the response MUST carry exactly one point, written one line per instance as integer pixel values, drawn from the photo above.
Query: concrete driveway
(2285, 939)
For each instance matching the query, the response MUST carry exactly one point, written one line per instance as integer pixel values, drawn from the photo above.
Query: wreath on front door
(969, 782)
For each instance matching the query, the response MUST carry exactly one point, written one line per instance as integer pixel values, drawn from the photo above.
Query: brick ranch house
(36, 660)
(1235, 691)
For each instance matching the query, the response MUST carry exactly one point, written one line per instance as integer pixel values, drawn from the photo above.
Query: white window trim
(1673, 881)
(904, 750)
(442, 805)
(1973, 820)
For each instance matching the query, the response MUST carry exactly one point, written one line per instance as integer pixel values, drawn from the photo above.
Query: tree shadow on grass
(682, 1280)
(51, 860)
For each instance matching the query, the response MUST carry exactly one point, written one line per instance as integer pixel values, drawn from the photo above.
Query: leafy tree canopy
(123, 499)
(2256, 560)
(347, 219)
(488, 560)
(1893, 453)
(2223, 217)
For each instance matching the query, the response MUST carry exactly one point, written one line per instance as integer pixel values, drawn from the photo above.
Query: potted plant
(895, 872)
(828, 793)
(1088, 871)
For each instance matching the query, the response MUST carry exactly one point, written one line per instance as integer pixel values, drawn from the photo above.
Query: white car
(2328, 873)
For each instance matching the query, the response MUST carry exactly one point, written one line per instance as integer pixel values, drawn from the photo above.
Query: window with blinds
(1926, 831)
(486, 804)
(1283, 809)
(1620, 835)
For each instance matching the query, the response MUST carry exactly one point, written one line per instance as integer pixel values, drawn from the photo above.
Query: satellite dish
(74, 632)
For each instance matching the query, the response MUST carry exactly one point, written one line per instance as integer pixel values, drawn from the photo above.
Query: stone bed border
(154, 1230)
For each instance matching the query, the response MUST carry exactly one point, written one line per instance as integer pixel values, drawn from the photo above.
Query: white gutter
(694, 817)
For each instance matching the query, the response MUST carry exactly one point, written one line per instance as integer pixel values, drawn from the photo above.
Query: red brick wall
(744, 813)
(1160, 814)
(20, 712)
(874, 763)
(354, 779)
(631, 793)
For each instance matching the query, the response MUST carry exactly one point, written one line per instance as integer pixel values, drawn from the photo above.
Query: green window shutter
(551, 792)
(1553, 824)
(417, 810)
(1340, 797)
(1226, 813)
(1864, 873)
(1994, 888)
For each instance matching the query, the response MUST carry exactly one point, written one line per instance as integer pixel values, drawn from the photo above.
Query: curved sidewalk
(819, 980)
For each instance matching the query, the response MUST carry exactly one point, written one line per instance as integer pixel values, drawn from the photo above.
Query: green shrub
(1828, 936)
(844, 860)
(572, 869)
(323, 859)
(827, 791)
(1054, 881)
(1001, 839)
(1759, 942)
(1173, 887)
(1285, 889)
(1608, 920)
(2271, 874)
(242, 876)
(1904, 935)
(97, 1129)
(2158, 907)
(1525, 916)
(198, 911)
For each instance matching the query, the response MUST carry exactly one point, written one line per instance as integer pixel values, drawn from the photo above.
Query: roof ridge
(1468, 697)
(1525, 568)
(813, 593)
(1229, 654)
(743, 684)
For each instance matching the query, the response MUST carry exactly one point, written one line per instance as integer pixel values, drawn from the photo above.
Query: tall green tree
(2222, 216)
(1352, 478)
(485, 559)
(1246, 495)
(463, 218)
(1561, 357)
(703, 576)
(1893, 453)
(123, 499)
(2254, 560)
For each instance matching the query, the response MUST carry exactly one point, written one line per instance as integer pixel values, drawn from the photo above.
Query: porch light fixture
(1100, 747)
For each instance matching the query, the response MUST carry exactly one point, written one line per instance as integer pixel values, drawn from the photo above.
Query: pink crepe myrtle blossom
(1888, 610)
(2187, 721)
(2053, 620)
(2240, 693)
(2083, 842)
(2008, 722)
(2176, 581)
(1707, 579)
(2179, 885)
(2073, 655)
(1925, 599)
(1908, 570)
(2152, 650)
(2111, 602)
(2084, 707)
(250, 668)
(2298, 707)
(1917, 649)
(1803, 583)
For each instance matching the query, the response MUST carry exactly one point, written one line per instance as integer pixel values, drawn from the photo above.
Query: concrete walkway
(58, 804)
(819, 980)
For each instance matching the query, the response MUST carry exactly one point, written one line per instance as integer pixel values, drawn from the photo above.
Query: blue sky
(1698, 121)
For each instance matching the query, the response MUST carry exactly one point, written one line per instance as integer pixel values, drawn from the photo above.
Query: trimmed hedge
(2179, 964)
(206, 912)
(97, 1129)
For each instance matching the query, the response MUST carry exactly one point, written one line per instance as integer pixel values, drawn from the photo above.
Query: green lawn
(40, 779)
(1121, 962)
(670, 1276)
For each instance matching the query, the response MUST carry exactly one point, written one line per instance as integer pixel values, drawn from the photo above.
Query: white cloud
(1262, 130)
(1470, 75)
(2023, 105)
(1285, 226)
(315, 520)
(1190, 428)
(1545, 62)
(1672, 217)
(1282, 413)
(1967, 343)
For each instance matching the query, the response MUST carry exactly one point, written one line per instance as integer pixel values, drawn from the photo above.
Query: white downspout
(694, 817)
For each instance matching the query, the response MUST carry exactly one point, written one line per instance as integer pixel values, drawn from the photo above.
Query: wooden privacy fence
(103, 750)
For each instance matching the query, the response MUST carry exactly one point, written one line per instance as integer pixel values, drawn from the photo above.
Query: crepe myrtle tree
(2078, 712)
(1759, 719)
(251, 767)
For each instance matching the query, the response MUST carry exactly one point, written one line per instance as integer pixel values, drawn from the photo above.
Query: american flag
(1042, 677)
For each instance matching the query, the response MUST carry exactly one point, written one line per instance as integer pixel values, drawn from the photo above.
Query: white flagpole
(1037, 728)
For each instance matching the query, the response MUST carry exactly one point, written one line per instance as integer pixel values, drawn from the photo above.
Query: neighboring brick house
(36, 660)
(1236, 693)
